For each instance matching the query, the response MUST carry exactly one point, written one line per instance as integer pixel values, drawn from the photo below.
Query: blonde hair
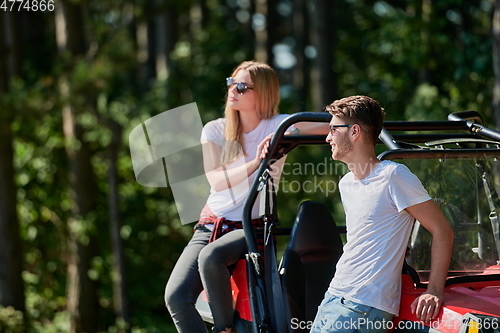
(267, 95)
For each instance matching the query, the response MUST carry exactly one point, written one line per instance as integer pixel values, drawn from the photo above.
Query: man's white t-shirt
(378, 227)
(229, 203)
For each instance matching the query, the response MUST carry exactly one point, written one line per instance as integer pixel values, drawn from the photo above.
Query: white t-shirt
(378, 227)
(229, 203)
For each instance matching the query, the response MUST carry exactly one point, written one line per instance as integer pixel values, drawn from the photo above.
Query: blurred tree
(496, 62)
(81, 290)
(425, 73)
(265, 24)
(11, 255)
(272, 30)
(145, 52)
(120, 299)
(260, 25)
(165, 35)
(301, 76)
(244, 15)
(323, 38)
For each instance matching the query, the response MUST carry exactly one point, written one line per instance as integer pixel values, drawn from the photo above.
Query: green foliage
(11, 320)
(413, 44)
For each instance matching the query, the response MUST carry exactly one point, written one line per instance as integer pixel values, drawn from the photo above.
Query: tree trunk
(4, 78)
(272, 25)
(145, 36)
(120, 299)
(424, 73)
(160, 26)
(324, 79)
(165, 25)
(261, 31)
(12, 41)
(248, 33)
(80, 290)
(496, 63)
(266, 36)
(11, 256)
(301, 70)
(205, 12)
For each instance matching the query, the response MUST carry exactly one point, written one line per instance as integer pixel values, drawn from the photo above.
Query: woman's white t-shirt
(229, 203)
(378, 228)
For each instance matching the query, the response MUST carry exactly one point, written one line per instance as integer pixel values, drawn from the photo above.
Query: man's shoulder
(347, 177)
(391, 167)
(399, 175)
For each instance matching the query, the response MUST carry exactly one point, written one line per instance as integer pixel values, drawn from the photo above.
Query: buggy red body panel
(240, 294)
(477, 297)
(241, 298)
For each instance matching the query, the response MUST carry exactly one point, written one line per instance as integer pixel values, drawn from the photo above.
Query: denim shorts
(337, 314)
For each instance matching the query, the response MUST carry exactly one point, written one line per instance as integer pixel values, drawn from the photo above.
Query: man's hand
(426, 306)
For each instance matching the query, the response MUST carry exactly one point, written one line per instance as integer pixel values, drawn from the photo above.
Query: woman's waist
(209, 222)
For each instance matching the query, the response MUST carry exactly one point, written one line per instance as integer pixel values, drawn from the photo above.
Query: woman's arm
(311, 128)
(221, 177)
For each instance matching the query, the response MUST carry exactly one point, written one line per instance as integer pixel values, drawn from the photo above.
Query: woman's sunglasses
(241, 87)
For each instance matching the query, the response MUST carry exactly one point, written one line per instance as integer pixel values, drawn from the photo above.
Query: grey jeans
(204, 266)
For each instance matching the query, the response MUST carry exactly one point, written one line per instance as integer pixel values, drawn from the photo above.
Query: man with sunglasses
(381, 199)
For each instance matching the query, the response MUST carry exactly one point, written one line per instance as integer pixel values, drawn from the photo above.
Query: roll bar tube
(476, 127)
(266, 162)
(388, 140)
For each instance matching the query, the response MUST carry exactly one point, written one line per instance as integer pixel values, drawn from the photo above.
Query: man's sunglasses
(333, 128)
(241, 87)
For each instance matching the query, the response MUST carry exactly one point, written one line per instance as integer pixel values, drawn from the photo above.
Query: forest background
(83, 246)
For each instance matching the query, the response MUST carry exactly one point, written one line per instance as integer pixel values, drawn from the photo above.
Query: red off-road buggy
(457, 161)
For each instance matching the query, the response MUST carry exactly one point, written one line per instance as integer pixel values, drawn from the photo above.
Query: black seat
(309, 262)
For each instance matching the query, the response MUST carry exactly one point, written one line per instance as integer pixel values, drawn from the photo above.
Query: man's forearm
(442, 243)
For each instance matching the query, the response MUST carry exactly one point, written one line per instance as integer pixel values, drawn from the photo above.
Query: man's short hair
(361, 110)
